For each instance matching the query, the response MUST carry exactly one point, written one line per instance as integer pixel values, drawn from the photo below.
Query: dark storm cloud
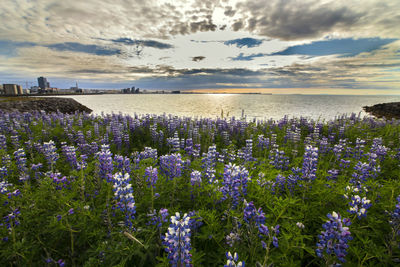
(291, 20)
(145, 43)
(229, 11)
(198, 58)
(242, 42)
(202, 78)
(202, 26)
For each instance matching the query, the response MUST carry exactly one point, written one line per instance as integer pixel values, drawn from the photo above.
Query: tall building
(19, 90)
(10, 89)
(43, 84)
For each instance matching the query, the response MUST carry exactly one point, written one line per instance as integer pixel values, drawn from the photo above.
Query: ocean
(252, 106)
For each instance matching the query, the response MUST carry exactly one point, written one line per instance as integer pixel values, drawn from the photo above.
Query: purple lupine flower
(122, 164)
(20, 159)
(70, 154)
(290, 183)
(35, 168)
(257, 217)
(5, 162)
(343, 163)
(395, 218)
(234, 186)
(233, 261)
(323, 145)
(365, 171)
(105, 163)
(209, 160)
(123, 193)
(195, 178)
(263, 143)
(174, 143)
(278, 159)
(148, 153)
(61, 263)
(335, 237)
(151, 175)
(177, 241)
(171, 165)
(310, 162)
(359, 149)
(195, 221)
(61, 183)
(189, 147)
(248, 151)
(338, 149)
(71, 211)
(332, 175)
(50, 152)
(250, 213)
(11, 219)
(158, 218)
(82, 163)
(15, 141)
(359, 206)
(232, 238)
(378, 148)
(3, 142)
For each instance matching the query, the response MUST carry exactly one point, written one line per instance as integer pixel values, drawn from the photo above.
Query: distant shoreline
(46, 104)
(387, 110)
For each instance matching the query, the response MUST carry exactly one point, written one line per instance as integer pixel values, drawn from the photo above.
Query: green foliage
(94, 233)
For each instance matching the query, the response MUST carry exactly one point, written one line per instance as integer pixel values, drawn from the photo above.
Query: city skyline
(343, 47)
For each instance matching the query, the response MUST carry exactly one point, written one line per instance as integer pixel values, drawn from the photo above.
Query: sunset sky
(341, 46)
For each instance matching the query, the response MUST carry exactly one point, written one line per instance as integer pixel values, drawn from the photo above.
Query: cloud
(145, 43)
(9, 48)
(84, 48)
(198, 58)
(348, 47)
(242, 42)
(369, 70)
(242, 57)
(310, 19)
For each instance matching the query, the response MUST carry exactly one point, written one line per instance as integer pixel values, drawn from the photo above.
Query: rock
(387, 110)
(46, 104)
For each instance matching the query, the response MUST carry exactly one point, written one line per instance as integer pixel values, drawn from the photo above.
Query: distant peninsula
(46, 104)
(387, 110)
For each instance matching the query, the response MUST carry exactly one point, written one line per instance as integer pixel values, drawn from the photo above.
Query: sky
(324, 46)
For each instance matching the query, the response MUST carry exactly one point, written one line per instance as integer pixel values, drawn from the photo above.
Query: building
(34, 89)
(19, 89)
(43, 83)
(11, 89)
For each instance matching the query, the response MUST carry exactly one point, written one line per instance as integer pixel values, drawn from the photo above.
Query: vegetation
(115, 190)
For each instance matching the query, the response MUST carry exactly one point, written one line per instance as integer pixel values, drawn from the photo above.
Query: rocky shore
(46, 104)
(387, 110)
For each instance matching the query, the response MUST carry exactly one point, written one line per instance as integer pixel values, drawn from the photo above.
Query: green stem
(82, 185)
(152, 198)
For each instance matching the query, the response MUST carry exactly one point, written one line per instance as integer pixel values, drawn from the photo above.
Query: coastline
(46, 104)
(384, 110)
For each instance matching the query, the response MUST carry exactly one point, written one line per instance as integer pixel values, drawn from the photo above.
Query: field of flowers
(116, 190)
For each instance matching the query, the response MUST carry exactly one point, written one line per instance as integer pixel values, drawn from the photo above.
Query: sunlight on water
(322, 107)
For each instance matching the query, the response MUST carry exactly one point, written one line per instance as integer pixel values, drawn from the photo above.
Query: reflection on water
(255, 106)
